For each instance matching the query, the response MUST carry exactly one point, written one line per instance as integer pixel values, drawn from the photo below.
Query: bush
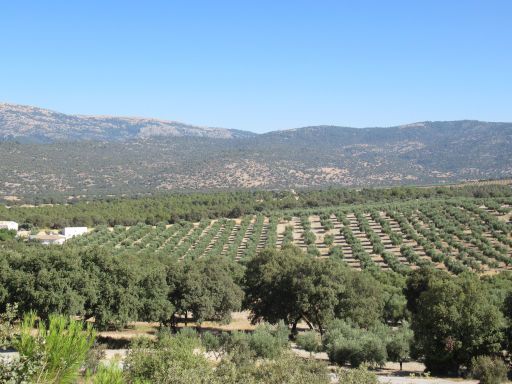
(237, 347)
(328, 240)
(18, 370)
(488, 370)
(59, 350)
(336, 252)
(7, 234)
(211, 342)
(171, 359)
(345, 343)
(94, 357)
(268, 341)
(309, 237)
(291, 369)
(309, 341)
(7, 326)
(360, 375)
(108, 374)
(399, 344)
(286, 368)
(313, 251)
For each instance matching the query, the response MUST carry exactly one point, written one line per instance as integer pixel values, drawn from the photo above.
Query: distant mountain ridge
(39, 125)
(446, 130)
(44, 152)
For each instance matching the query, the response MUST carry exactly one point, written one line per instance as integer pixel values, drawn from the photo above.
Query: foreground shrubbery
(347, 343)
(57, 353)
(488, 370)
(178, 359)
(357, 376)
(309, 341)
(60, 352)
(52, 353)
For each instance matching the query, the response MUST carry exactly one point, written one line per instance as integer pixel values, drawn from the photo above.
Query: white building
(10, 225)
(70, 232)
(45, 239)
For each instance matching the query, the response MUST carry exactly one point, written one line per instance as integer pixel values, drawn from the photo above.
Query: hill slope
(125, 160)
(32, 124)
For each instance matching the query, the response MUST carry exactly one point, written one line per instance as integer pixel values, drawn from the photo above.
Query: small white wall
(70, 232)
(11, 225)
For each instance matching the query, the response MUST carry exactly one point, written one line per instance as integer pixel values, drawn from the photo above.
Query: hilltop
(37, 125)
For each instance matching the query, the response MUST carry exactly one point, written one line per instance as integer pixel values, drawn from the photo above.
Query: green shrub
(291, 369)
(7, 326)
(17, 371)
(360, 375)
(171, 359)
(328, 240)
(7, 234)
(287, 368)
(346, 343)
(336, 252)
(237, 347)
(399, 344)
(488, 370)
(309, 237)
(59, 349)
(268, 341)
(189, 333)
(211, 342)
(94, 357)
(310, 341)
(108, 374)
(313, 251)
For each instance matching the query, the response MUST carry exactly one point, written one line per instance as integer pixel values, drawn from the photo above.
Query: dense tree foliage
(208, 289)
(115, 290)
(290, 286)
(452, 320)
(173, 208)
(508, 314)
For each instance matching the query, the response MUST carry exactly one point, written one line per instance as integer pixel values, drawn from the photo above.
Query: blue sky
(261, 65)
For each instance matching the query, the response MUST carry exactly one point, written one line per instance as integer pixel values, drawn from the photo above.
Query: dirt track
(422, 380)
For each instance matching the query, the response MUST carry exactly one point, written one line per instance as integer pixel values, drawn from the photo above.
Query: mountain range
(46, 153)
(31, 124)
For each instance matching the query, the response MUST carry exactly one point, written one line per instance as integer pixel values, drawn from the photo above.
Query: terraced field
(455, 235)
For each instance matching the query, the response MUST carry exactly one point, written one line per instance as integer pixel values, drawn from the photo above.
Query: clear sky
(261, 65)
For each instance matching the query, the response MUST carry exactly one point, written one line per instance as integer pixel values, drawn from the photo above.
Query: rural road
(422, 380)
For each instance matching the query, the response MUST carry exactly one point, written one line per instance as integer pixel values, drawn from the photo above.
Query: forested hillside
(100, 156)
